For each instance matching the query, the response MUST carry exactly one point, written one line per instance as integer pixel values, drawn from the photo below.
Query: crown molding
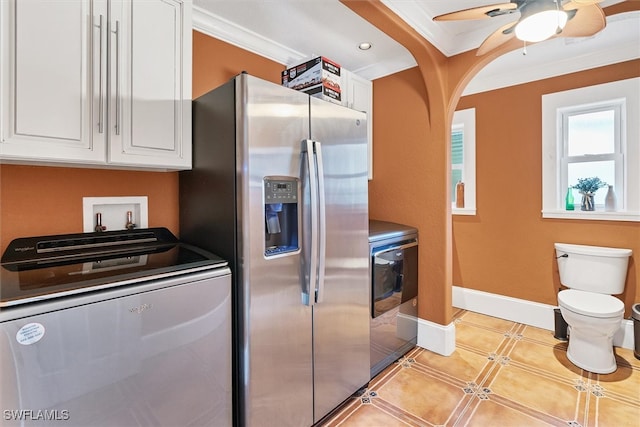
(215, 26)
(222, 29)
(450, 44)
(388, 67)
(506, 72)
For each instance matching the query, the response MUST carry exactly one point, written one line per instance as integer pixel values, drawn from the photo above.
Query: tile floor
(502, 374)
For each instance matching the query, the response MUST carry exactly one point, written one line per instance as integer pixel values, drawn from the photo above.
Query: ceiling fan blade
(586, 2)
(497, 38)
(587, 21)
(479, 12)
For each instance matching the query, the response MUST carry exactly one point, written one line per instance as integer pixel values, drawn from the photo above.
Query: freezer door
(161, 357)
(341, 314)
(276, 369)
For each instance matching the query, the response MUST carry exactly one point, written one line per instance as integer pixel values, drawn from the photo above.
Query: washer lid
(44, 267)
(590, 304)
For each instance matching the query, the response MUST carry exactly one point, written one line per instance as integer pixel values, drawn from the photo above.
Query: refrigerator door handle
(308, 149)
(322, 230)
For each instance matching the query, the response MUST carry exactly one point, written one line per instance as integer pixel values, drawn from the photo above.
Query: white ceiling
(291, 31)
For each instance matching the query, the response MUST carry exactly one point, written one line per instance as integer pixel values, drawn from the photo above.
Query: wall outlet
(114, 212)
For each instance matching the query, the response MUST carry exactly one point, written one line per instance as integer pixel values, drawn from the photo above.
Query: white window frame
(617, 156)
(466, 120)
(555, 107)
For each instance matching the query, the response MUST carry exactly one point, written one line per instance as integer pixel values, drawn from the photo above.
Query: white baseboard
(624, 337)
(514, 309)
(523, 311)
(437, 338)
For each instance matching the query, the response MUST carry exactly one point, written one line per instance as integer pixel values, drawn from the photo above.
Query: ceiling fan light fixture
(540, 26)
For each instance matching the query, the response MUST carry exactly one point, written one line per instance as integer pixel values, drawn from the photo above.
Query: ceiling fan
(538, 20)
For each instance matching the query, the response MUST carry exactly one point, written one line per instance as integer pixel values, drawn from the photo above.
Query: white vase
(610, 200)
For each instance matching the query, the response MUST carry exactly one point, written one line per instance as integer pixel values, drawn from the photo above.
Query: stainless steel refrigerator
(279, 188)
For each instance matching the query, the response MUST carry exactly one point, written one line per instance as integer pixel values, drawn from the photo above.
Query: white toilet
(593, 274)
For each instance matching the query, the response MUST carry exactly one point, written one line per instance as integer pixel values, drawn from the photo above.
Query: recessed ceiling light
(365, 46)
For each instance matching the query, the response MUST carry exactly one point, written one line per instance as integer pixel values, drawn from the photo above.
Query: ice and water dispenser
(280, 215)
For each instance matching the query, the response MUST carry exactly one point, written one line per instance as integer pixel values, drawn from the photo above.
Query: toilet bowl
(592, 275)
(593, 319)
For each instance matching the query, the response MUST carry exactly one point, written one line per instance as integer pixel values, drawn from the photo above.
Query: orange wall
(507, 248)
(400, 151)
(39, 200)
(399, 121)
(216, 62)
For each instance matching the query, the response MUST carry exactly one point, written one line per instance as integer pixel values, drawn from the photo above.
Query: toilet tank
(593, 268)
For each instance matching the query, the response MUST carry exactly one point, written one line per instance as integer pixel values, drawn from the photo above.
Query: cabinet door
(48, 94)
(360, 97)
(150, 83)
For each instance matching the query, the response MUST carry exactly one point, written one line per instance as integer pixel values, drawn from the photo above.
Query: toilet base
(593, 354)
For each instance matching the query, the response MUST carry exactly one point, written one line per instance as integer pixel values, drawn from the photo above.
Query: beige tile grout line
(502, 359)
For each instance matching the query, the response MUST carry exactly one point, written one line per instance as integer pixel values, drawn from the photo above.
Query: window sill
(593, 215)
(463, 211)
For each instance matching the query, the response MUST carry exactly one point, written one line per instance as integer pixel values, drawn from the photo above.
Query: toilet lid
(590, 304)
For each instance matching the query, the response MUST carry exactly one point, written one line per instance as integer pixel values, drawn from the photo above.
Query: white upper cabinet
(359, 96)
(150, 84)
(47, 87)
(96, 82)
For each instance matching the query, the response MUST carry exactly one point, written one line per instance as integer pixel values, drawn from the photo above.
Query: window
(587, 133)
(463, 159)
(457, 162)
(591, 147)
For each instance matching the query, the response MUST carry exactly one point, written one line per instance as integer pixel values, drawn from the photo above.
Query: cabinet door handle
(100, 96)
(117, 77)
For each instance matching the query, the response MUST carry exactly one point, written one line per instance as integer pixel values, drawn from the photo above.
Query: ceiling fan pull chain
(524, 48)
(559, 29)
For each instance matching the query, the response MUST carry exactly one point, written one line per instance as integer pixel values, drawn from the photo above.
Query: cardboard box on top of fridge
(320, 77)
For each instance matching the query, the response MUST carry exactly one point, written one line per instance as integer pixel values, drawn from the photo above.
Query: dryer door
(394, 276)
